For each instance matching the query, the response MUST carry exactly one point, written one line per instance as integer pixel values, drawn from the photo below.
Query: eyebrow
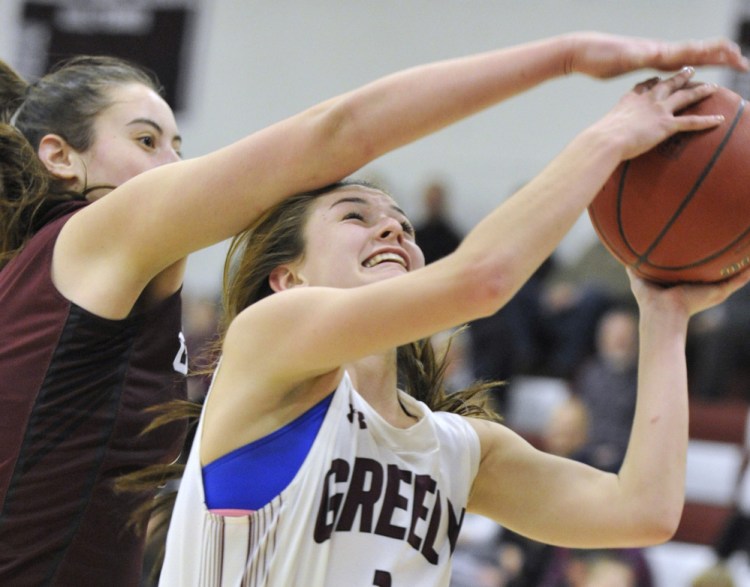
(358, 200)
(154, 125)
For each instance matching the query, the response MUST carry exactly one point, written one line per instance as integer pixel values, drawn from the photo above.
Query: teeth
(384, 257)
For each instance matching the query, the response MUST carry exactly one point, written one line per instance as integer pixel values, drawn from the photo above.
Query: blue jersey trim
(250, 476)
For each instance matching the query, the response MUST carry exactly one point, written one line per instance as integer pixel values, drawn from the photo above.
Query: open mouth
(387, 257)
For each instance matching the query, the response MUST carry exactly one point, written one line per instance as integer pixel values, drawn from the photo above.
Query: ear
(62, 160)
(285, 277)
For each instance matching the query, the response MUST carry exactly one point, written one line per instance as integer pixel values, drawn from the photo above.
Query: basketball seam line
(707, 169)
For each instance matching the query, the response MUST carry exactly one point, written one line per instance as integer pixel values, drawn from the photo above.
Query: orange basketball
(681, 212)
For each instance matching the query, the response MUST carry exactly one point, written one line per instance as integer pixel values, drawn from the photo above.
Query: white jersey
(371, 505)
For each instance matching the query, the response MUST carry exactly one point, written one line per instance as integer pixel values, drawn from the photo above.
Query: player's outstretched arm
(160, 216)
(563, 502)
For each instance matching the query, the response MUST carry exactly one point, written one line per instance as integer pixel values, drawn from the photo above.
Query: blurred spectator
(715, 576)
(522, 562)
(436, 234)
(625, 567)
(576, 295)
(719, 349)
(507, 344)
(548, 328)
(607, 384)
(474, 563)
(606, 570)
(569, 314)
(734, 536)
(596, 267)
(567, 430)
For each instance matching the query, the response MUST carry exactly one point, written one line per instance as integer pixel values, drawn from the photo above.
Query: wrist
(604, 145)
(569, 43)
(664, 318)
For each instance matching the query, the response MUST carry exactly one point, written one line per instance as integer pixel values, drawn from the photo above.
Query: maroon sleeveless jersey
(73, 389)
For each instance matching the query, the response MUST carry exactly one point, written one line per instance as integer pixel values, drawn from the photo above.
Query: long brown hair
(278, 238)
(65, 102)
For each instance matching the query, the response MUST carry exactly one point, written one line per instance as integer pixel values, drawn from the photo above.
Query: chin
(386, 273)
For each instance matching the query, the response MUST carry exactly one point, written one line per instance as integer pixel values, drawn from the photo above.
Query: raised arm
(492, 262)
(337, 137)
(162, 215)
(560, 501)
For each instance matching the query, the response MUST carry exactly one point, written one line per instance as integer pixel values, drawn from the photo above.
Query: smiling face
(356, 235)
(137, 132)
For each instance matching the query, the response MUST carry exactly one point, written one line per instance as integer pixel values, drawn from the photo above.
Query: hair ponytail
(24, 183)
(12, 92)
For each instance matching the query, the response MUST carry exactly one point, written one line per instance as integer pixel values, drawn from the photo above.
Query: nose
(171, 156)
(391, 229)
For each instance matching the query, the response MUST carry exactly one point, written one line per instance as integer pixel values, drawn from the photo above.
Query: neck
(375, 379)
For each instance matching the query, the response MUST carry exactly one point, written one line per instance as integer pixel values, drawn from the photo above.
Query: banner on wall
(156, 34)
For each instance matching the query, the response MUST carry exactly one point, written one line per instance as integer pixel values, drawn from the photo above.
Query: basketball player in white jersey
(328, 453)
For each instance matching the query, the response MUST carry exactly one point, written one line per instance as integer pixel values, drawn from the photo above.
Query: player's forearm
(404, 106)
(653, 474)
(339, 136)
(524, 230)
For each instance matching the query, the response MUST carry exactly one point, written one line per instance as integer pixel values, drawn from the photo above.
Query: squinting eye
(408, 228)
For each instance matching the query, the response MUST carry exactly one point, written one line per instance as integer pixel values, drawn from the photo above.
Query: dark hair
(65, 102)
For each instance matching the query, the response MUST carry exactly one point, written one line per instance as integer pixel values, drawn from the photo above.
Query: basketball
(680, 213)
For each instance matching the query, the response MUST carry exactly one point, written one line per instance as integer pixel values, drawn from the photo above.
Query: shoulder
(460, 444)
(36, 252)
(274, 313)
(455, 425)
(497, 442)
(303, 318)
(52, 217)
(56, 210)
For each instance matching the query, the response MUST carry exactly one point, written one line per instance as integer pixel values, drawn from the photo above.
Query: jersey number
(180, 363)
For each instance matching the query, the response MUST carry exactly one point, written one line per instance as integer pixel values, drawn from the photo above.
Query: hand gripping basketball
(681, 211)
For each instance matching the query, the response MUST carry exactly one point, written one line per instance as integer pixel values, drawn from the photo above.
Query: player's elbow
(343, 136)
(486, 286)
(661, 532)
(659, 525)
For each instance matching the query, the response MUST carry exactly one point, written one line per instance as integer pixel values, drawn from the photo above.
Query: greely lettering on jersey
(377, 492)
